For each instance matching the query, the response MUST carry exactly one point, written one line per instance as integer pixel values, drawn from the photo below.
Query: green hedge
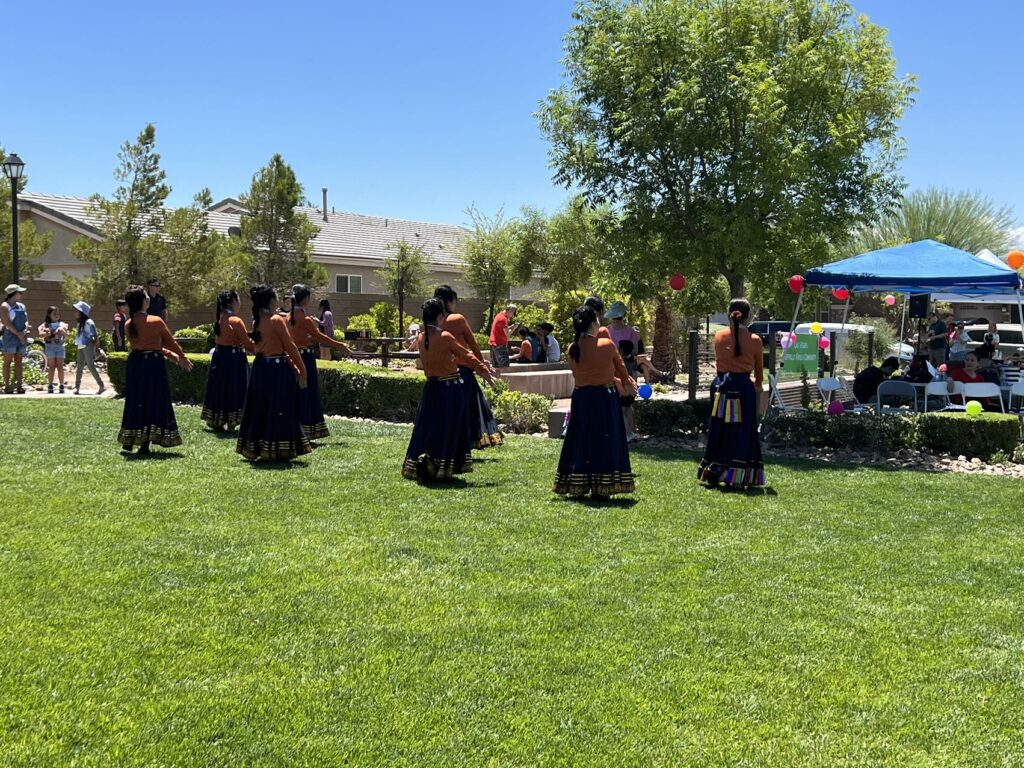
(664, 418)
(954, 433)
(985, 435)
(347, 389)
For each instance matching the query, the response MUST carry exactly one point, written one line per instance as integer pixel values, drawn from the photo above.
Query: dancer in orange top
(595, 457)
(229, 367)
(440, 445)
(483, 427)
(733, 454)
(270, 428)
(308, 337)
(148, 416)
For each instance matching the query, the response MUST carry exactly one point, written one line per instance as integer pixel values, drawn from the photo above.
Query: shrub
(364, 322)
(484, 340)
(347, 389)
(855, 347)
(958, 433)
(522, 411)
(530, 315)
(494, 390)
(71, 348)
(857, 432)
(660, 417)
(381, 320)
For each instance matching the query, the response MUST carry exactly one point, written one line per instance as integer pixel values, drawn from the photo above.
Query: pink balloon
(787, 340)
(835, 408)
(890, 300)
(824, 343)
(943, 368)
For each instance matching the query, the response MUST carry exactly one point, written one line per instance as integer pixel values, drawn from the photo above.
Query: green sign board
(802, 356)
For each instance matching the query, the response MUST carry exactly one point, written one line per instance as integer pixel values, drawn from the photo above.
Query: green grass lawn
(190, 609)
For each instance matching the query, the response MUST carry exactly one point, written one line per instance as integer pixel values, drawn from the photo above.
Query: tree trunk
(401, 315)
(663, 356)
(736, 280)
(490, 317)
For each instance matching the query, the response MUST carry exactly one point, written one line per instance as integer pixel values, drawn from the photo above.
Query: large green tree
(135, 212)
(404, 275)
(747, 134)
(31, 243)
(141, 238)
(279, 238)
(965, 220)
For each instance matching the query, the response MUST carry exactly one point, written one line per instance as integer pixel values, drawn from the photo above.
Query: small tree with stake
(404, 274)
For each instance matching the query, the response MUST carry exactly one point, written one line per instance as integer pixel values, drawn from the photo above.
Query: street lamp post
(13, 170)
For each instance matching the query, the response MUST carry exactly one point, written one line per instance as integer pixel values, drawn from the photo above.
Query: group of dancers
(275, 403)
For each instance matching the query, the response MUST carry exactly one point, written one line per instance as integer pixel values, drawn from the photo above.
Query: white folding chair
(978, 391)
(828, 387)
(898, 389)
(1017, 390)
(940, 389)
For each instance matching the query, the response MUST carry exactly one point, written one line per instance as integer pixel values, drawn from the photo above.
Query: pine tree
(277, 237)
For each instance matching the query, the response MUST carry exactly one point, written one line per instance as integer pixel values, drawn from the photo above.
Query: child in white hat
(87, 340)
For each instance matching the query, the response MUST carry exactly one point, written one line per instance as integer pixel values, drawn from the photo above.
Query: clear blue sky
(417, 110)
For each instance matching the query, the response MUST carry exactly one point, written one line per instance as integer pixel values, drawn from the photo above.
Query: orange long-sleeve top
(444, 353)
(458, 326)
(233, 333)
(600, 363)
(751, 357)
(149, 333)
(275, 339)
(306, 332)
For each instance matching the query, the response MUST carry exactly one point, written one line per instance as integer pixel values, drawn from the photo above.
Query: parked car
(766, 329)
(1011, 340)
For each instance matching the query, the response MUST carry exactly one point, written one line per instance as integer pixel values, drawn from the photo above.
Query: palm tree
(964, 220)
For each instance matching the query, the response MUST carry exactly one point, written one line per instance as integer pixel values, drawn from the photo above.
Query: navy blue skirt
(225, 387)
(595, 457)
(270, 428)
(440, 446)
(311, 413)
(733, 453)
(148, 415)
(483, 427)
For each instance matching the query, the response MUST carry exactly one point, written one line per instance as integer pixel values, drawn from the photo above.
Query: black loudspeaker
(919, 305)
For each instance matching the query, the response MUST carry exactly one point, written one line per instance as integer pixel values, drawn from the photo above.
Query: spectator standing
(54, 334)
(990, 343)
(958, 342)
(14, 336)
(326, 327)
(157, 303)
(120, 318)
(938, 339)
(87, 340)
(500, 330)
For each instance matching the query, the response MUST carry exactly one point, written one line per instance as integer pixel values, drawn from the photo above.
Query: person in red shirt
(969, 374)
(229, 366)
(733, 454)
(500, 330)
(120, 318)
(270, 429)
(595, 458)
(440, 444)
(148, 416)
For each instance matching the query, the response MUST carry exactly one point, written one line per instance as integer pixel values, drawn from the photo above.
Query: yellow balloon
(974, 408)
(816, 328)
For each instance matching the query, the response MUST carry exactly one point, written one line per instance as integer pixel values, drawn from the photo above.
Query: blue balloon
(645, 391)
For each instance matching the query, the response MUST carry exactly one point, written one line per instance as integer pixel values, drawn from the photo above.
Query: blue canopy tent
(922, 267)
(926, 266)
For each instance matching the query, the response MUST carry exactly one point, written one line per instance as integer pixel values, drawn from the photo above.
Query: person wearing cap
(14, 339)
(500, 330)
(958, 341)
(87, 340)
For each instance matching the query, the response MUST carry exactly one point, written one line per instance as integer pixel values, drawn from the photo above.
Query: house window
(348, 283)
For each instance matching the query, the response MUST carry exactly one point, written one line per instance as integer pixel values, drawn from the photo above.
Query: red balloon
(841, 293)
(677, 282)
(796, 283)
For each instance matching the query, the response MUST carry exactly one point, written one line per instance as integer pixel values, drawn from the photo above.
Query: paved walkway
(88, 388)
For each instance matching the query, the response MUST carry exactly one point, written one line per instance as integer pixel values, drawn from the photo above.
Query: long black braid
(224, 301)
(261, 296)
(739, 309)
(135, 298)
(432, 309)
(582, 319)
(299, 293)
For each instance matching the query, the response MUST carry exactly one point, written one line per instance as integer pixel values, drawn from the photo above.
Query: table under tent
(923, 267)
